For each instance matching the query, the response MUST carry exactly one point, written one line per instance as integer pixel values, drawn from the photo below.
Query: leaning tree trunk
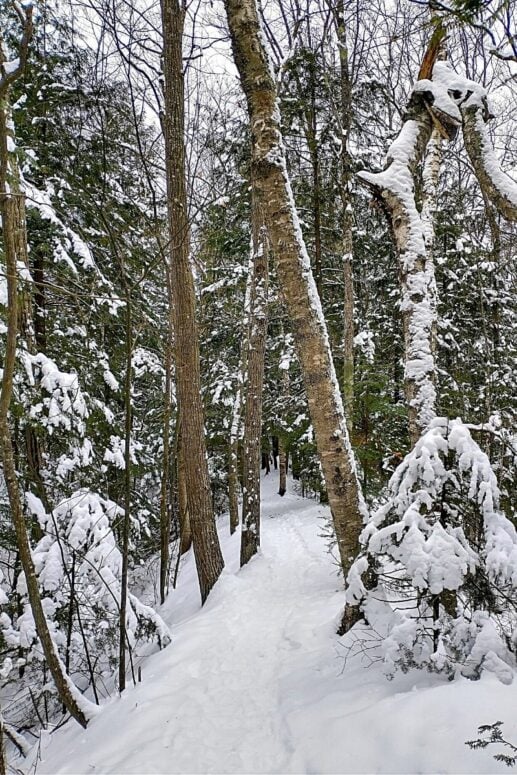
(209, 560)
(295, 277)
(252, 436)
(12, 210)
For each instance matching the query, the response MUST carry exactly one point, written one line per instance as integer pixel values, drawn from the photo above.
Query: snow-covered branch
(472, 101)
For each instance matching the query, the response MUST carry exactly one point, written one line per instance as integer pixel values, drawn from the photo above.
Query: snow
(12, 66)
(364, 341)
(470, 94)
(41, 201)
(256, 681)
(418, 302)
(65, 404)
(426, 546)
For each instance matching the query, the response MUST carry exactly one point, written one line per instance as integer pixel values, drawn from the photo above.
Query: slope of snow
(256, 682)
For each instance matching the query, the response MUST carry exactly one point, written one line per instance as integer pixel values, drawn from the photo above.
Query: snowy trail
(255, 682)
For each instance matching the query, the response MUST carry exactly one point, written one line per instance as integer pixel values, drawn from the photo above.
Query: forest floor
(256, 681)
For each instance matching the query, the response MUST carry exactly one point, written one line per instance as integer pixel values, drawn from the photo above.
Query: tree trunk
(165, 509)
(497, 187)
(282, 467)
(297, 285)
(127, 497)
(396, 190)
(250, 536)
(347, 218)
(3, 758)
(316, 188)
(233, 478)
(414, 232)
(12, 209)
(183, 507)
(209, 560)
(235, 429)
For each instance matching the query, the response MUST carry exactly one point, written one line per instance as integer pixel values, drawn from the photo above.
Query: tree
(347, 218)
(15, 251)
(207, 551)
(295, 278)
(252, 435)
(442, 559)
(459, 586)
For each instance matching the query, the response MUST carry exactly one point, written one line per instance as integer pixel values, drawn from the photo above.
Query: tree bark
(312, 138)
(3, 758)
(296, 279)
(183, 507)
(127, 494)
(209, 560)
(396, 191)
(282, 467)
(252, 437)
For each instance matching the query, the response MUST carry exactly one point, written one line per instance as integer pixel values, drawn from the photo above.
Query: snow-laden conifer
(438, 573)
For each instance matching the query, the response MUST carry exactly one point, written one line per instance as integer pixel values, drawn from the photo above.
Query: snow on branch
(444, 557)
(79, 534)
(11, 70)
(472, 101)
(395, 188)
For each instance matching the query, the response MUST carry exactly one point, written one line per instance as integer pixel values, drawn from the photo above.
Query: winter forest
(258, 379)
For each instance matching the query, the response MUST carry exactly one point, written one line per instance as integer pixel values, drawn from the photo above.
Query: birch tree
(295, 277)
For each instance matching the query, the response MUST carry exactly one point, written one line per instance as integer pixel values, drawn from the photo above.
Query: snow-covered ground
(256, 681)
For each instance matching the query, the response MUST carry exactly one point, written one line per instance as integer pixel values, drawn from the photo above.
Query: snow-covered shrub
(438, 573)
(78, 564)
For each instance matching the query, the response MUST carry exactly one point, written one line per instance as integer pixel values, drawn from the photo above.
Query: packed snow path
(255, 682)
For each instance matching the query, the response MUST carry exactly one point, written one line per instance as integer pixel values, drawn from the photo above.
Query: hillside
(256, 681)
